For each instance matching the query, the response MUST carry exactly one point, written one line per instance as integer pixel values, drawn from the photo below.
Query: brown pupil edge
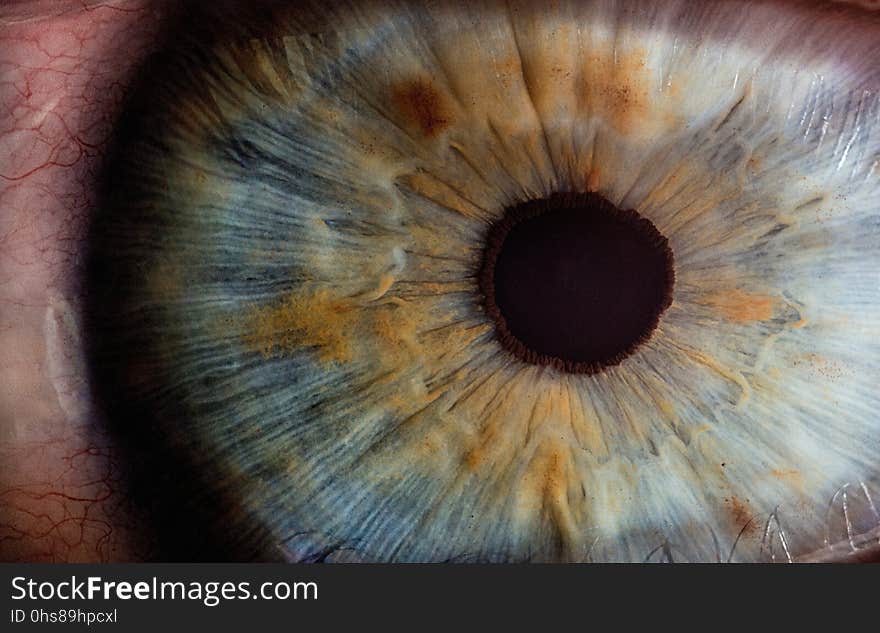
(574, 282)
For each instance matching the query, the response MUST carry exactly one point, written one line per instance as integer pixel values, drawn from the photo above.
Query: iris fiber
(285, 278)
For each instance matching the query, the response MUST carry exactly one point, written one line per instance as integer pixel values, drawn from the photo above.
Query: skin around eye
(65, 68)
(384, 185)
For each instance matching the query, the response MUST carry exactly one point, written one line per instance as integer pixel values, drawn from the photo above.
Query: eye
(286, 280)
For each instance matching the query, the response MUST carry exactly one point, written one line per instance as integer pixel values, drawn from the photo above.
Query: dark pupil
(575, 282)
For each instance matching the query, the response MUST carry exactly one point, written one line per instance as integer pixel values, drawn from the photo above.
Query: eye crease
(285, 280)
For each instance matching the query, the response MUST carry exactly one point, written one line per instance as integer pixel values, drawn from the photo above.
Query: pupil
(575, 282)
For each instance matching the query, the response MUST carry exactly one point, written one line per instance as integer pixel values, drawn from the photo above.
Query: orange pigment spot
(792, 476)
(427, 186)
(422, 106)
(618, 87)
(742, 307)
(473, 459)
(337, 329)
(545, 480)
(315, 320)
(741, 514)
(593, 179)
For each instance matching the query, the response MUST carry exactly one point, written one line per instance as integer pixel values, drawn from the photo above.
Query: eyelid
(31, 11)
(61, 70)
(870, 5)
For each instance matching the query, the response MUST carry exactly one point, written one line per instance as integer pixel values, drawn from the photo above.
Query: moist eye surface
(290, 293)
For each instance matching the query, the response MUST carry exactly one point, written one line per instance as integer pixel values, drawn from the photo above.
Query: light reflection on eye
(668, 143)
